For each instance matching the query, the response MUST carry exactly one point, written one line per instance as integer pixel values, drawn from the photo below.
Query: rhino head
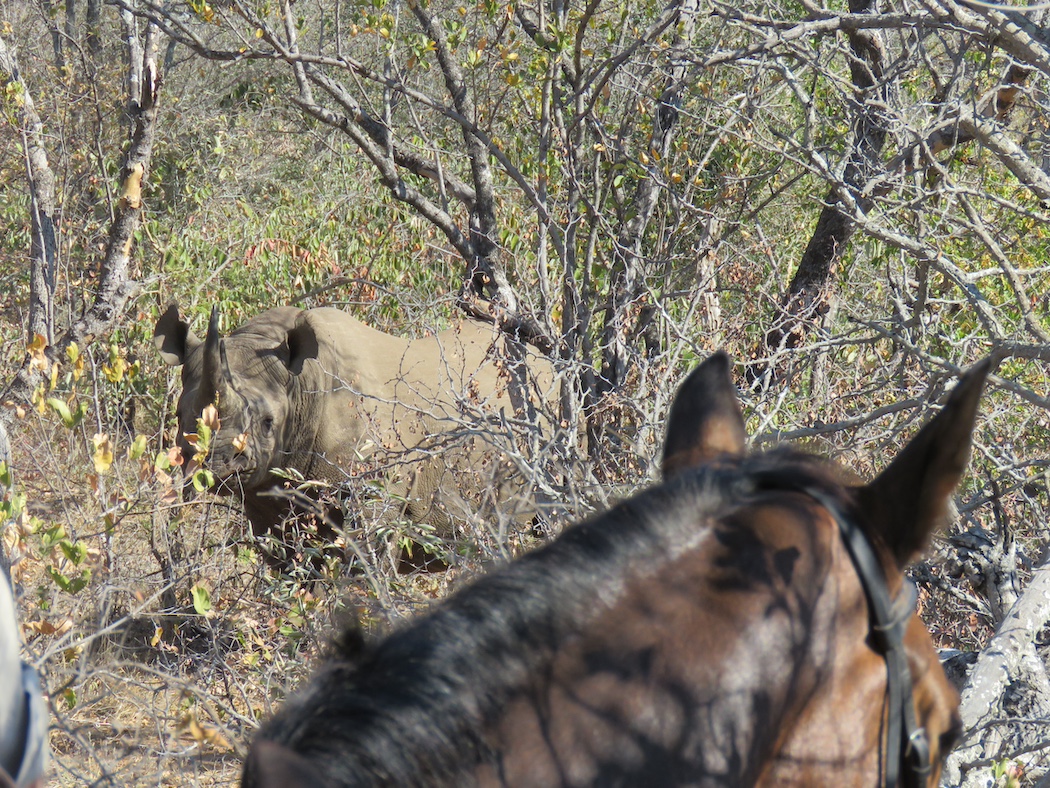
(249, 377)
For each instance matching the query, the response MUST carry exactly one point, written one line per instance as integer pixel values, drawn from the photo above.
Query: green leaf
(71, 585)
(203, 479)
(201, 599)
(75, 552)
(138, 447)
(69, 418)
(61, 408)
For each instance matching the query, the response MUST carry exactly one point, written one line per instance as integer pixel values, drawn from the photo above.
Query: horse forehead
(728, 625)
(782, 526)
(753, 569)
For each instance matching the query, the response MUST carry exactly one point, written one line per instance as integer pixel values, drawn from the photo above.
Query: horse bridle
(907, 746)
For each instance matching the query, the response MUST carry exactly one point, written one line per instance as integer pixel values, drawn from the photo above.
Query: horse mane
(409, 710)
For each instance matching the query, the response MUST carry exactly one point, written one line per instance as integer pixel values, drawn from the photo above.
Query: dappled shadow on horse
(747, 622)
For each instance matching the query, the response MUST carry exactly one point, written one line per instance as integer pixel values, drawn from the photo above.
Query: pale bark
(1009, 680)
(41, 180)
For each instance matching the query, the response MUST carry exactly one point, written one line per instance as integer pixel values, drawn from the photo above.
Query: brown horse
(747, 622)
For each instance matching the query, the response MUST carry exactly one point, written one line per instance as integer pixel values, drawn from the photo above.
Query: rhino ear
(908, 501)
(173, 338)
(705, 420)
(302, 345)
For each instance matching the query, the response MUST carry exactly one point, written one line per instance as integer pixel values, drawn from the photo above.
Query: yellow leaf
(138, 447)
(115, 372)
(157, 635)
(37, 357)
(45, 627)
(240, 443)
(76, 359)
(103, 458)
(203, 734)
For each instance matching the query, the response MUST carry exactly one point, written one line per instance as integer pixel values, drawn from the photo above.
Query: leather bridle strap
(907, 748)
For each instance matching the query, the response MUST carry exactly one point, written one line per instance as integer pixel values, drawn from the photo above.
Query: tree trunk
(1008, 681)
(50, 14)
(44, 245)
(805, 306)
(808, 299)
(628, 274)
(115, 285)
(92, 20)
(70, 26)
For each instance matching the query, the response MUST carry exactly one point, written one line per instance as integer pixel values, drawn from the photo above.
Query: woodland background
(851, 197)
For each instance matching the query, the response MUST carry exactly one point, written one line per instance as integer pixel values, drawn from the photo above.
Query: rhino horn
(224, 364)
(211, 382)
(225, 387)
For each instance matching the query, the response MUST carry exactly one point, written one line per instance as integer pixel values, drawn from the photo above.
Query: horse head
(747, 622)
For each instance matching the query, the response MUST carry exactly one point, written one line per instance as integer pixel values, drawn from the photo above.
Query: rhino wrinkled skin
(319, 392)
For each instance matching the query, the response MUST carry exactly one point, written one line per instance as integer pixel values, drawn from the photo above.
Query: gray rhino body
(320, 393)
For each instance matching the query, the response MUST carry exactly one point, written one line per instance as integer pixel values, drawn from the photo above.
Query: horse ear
(302, 344)
(705, 420)
(173, 338)
(271, 765)
(908, 501)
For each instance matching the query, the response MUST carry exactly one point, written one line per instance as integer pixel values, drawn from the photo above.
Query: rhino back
(343, 397)
(382, 392)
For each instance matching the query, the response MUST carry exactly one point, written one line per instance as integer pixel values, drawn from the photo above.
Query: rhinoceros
(320, 393)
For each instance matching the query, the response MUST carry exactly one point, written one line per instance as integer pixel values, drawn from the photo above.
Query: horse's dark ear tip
(983, 368)
(718, 364)
(973, 380)
(721, 359)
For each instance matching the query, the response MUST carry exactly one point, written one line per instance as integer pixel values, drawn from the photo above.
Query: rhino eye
(267, 425)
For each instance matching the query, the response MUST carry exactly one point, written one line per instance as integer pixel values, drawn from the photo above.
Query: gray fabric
(35, 755)
(23, 713)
